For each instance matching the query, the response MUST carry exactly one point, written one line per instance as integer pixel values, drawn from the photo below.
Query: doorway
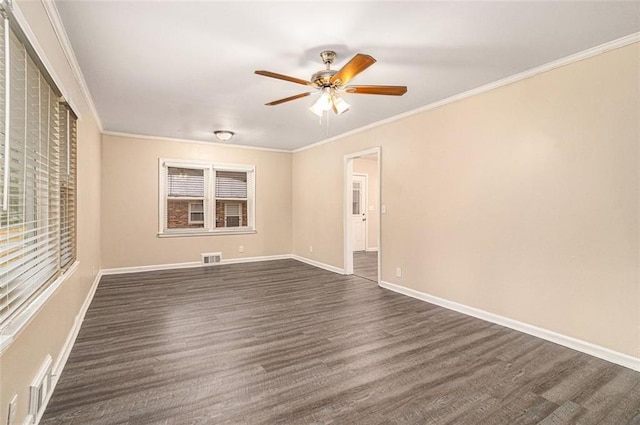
(362, 214)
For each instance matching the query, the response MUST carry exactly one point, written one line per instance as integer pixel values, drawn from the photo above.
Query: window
(196, 212)
(356, 198)
(232, 214)
(231, 198)
(38, 134)
(185, 191)
(205, 198)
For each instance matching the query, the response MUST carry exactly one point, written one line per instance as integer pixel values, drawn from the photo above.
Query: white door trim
(346, 213)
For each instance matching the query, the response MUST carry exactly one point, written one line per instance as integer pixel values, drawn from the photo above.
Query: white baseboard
(154, 267)
(567, 341)
(73, 334)
(372, 249)
(56, 371)
(150, 268)
(254, 259)
(318, 264)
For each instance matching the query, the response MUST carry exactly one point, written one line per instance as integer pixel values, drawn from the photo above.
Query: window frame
(209, 203)
(52, 209)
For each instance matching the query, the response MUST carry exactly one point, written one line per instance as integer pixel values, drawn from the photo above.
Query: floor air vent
(39, 391)
(211, 258)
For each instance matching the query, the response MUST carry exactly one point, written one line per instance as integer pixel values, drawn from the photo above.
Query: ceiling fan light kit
(332, 82)
(223, 135)
(340, 105)
(329, 100)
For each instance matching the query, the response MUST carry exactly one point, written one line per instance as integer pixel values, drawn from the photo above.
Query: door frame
(346, 213)
(364, 206)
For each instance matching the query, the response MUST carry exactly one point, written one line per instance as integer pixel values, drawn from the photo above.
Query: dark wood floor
(365, 264)
(282, 342)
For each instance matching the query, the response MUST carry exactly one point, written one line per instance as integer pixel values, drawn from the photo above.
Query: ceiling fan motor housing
(322, 78)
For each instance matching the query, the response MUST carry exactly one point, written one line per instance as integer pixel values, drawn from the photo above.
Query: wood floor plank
(564, 414)
(627, 410)
(281, 342)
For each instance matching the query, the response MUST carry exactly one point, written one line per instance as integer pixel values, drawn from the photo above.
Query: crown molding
(190, 141)
(32, 40)
(567, 60)
(58, 28)
(56, 22)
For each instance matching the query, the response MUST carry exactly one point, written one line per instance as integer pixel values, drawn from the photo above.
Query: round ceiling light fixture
(224, 135)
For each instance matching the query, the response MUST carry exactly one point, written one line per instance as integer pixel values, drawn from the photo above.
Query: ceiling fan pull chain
(327, 123)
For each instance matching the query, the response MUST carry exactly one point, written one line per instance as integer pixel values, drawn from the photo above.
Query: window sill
(180, 234)
(12, 329)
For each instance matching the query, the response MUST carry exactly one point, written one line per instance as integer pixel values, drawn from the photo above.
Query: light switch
(383, 209)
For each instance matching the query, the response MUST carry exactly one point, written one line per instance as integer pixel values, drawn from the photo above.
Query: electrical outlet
(310, 248)
(13, 406)
(398, 272)
(241, 248)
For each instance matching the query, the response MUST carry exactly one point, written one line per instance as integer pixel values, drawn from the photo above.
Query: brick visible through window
(207, 197)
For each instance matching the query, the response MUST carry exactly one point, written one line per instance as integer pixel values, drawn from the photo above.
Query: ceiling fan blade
(355, 66)
(385, 90)
(287, 99)
(284, 77)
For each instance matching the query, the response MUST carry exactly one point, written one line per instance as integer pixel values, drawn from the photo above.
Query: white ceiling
(182, 69)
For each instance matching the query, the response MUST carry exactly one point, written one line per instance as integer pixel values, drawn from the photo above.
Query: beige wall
(130, 203)
(47, 332)
(369, 166)
(521, 201)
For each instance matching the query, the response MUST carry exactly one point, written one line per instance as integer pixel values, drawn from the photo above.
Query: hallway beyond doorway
(365, 264)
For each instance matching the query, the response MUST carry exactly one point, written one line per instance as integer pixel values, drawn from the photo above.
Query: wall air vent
(211, 258)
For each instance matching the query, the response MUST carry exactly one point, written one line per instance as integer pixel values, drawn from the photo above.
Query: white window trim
(209, 219)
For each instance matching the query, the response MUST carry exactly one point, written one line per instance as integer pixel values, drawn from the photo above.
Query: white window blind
(231, 184)
(185, 182)
(68, 172)
(37, 177)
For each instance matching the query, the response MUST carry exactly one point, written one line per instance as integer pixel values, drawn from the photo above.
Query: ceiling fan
(331, 83)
